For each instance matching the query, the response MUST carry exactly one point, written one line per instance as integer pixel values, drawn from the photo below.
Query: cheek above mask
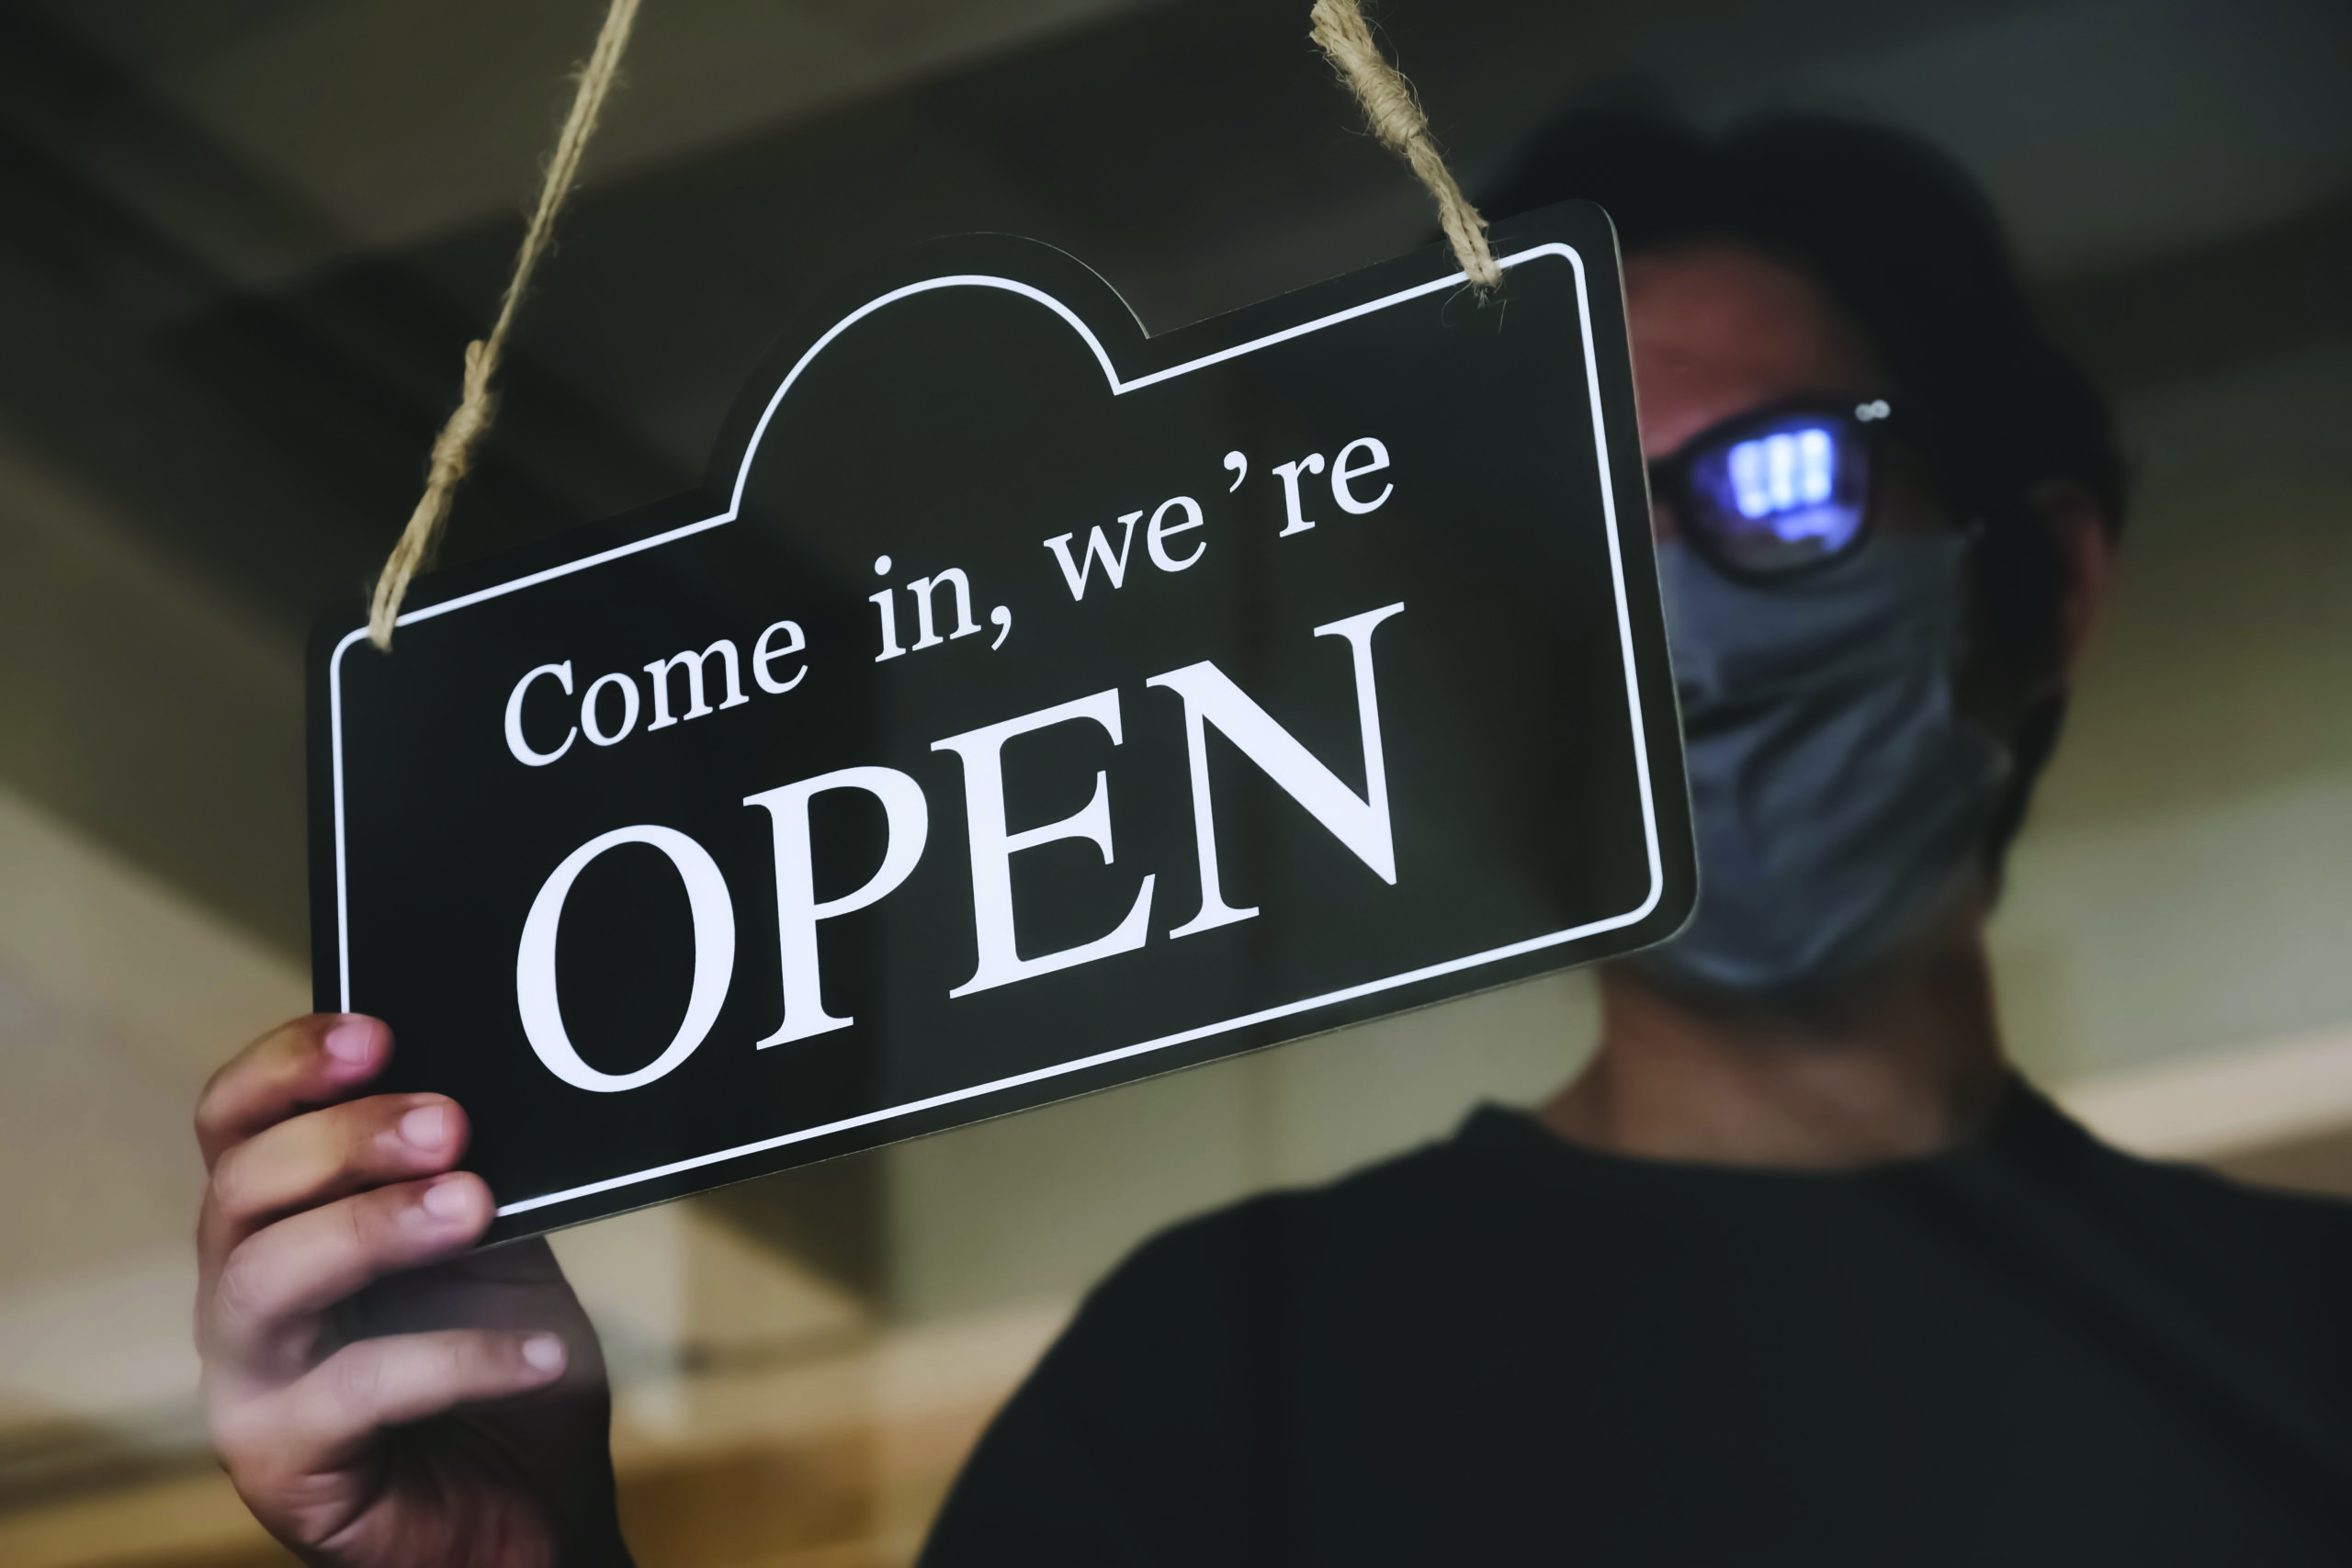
(1838, 800)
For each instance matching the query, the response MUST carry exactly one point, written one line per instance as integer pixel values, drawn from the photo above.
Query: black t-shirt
(1504, 1348)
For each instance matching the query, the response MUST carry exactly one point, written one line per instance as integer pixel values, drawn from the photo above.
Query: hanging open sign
(1025, 705)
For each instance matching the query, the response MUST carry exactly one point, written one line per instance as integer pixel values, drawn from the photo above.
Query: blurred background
(243, 242)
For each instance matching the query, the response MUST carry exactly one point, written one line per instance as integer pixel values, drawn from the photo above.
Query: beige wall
(2186, 884)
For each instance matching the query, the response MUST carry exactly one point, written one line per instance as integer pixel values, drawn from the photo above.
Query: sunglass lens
(1782, 496)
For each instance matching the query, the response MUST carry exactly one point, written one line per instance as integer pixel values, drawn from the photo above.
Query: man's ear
(2081, 531)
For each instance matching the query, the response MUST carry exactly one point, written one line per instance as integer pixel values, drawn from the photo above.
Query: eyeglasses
(1776, 491)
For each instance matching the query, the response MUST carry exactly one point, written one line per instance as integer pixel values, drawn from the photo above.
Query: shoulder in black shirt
(1505, 1349)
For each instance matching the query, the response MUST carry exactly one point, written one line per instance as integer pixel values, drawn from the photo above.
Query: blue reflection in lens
(1790, 492)
(1783, 472)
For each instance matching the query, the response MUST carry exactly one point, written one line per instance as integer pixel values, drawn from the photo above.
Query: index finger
(304, 1063)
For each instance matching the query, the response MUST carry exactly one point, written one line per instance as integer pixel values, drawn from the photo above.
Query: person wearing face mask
(1797, 1271)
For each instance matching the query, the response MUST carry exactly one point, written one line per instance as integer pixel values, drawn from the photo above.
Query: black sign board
(1025, 705)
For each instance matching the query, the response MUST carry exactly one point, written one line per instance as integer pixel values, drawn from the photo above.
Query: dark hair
(1901, 238)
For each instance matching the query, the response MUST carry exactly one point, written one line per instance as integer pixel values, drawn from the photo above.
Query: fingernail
(447, 1200)
(351, 1043)
(426, 1127)
(543, 1353)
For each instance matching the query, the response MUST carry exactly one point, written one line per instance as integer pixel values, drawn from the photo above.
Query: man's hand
(378, 1393)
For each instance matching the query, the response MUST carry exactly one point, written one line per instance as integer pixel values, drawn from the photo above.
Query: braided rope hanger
(1389, 105)
(1394, 112)
(453, 450)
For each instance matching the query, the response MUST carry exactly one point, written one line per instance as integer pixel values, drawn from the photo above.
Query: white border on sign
(1118, 388)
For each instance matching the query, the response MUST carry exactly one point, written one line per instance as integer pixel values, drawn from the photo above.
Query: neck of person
(1903, 1063)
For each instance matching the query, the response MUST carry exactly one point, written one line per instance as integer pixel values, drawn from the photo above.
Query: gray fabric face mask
(1837, 798)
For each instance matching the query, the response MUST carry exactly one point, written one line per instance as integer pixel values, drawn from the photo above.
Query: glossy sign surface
(1024, 705)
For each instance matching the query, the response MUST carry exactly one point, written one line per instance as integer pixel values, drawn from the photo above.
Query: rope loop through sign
(1389, 103)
